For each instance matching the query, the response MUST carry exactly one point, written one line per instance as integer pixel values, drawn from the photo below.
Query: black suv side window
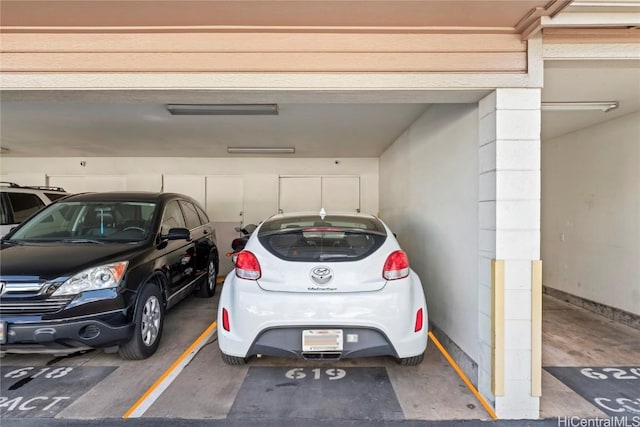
(204, 218)
(172, 217)
(24, 205)
(190, 214)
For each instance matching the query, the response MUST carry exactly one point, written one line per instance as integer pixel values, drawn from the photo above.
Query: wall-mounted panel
(260, 197)
(341, 193)
(224, 194)
(260, 176)
(190, 185)
(25, 178)
(311, 193)
(144, 182)
(300, 193)
(83, 183)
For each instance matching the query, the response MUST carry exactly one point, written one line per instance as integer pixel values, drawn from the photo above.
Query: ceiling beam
(596, 19)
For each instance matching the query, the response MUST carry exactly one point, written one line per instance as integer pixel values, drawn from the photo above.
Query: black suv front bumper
(93, 319)
(63, 336)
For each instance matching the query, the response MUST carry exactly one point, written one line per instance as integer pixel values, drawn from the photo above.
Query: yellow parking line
(478, 396)
(161, 384)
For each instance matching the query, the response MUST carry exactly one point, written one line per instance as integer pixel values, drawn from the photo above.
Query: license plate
(3, 331)
(322, 340)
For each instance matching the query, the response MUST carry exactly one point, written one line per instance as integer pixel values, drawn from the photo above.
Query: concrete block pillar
(509, 242)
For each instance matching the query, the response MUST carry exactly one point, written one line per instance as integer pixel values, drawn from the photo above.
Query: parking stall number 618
(45, 372)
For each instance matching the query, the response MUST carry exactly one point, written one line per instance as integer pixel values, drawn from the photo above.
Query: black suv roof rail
(33, 187)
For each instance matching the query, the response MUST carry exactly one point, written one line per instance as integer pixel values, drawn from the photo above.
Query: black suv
(98, 270)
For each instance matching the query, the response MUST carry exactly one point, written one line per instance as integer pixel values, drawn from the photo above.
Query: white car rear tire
(411, 361)
(233, 360)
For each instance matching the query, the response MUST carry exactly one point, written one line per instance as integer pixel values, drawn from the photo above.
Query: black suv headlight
(102, 277)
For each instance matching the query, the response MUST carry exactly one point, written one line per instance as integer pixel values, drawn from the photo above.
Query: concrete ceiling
(340, 124)
(588, 81)
(147, 129)
(45, 124)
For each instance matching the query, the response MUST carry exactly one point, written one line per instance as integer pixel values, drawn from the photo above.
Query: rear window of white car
(24, 205)
(310, 238)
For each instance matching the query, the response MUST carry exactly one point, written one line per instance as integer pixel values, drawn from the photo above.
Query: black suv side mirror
(177, 234)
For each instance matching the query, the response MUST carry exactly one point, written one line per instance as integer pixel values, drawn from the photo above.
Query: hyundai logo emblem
(321, 275)
(3, 287)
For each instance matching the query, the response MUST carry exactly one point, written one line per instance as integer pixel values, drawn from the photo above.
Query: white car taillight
(396, 266)
(247, 266)
(419, 321)
(225, 320)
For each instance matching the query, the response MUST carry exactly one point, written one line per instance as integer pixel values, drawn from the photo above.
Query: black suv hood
(53, 260)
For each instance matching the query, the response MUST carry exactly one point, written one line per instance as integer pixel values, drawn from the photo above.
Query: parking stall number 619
(333, 374)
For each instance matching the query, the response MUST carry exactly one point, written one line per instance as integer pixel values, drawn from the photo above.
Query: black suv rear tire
(208, 285)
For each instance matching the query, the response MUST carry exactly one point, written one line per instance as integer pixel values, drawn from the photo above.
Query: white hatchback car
(322, 287)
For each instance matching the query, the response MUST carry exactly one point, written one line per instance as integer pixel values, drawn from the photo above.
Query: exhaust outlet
(330, 355)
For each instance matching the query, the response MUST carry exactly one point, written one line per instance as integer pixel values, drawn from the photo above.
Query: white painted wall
(429, 197)
(260, 175)
(257, 177)
(591, 213)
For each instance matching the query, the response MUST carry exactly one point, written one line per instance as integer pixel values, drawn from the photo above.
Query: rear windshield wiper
(82, 241)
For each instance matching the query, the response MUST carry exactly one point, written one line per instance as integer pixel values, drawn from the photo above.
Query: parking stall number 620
(614, 373)
(45, 372)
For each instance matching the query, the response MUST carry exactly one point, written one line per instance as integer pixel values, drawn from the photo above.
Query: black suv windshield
(310, 238)
(85, 222)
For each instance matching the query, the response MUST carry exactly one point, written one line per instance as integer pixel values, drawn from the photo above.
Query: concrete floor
(207, 388)
(575, 337)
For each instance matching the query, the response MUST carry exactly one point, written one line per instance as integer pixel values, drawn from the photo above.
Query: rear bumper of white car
(374, 323)
(286, 342)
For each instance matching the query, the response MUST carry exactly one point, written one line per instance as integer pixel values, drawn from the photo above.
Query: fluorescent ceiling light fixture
(223, 109)
(261, 150)
(580, 106)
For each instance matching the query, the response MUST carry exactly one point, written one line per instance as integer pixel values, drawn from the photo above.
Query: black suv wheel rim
(211, 275)
(150, 321)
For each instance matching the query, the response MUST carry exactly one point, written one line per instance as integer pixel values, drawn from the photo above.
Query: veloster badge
(321, 275)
